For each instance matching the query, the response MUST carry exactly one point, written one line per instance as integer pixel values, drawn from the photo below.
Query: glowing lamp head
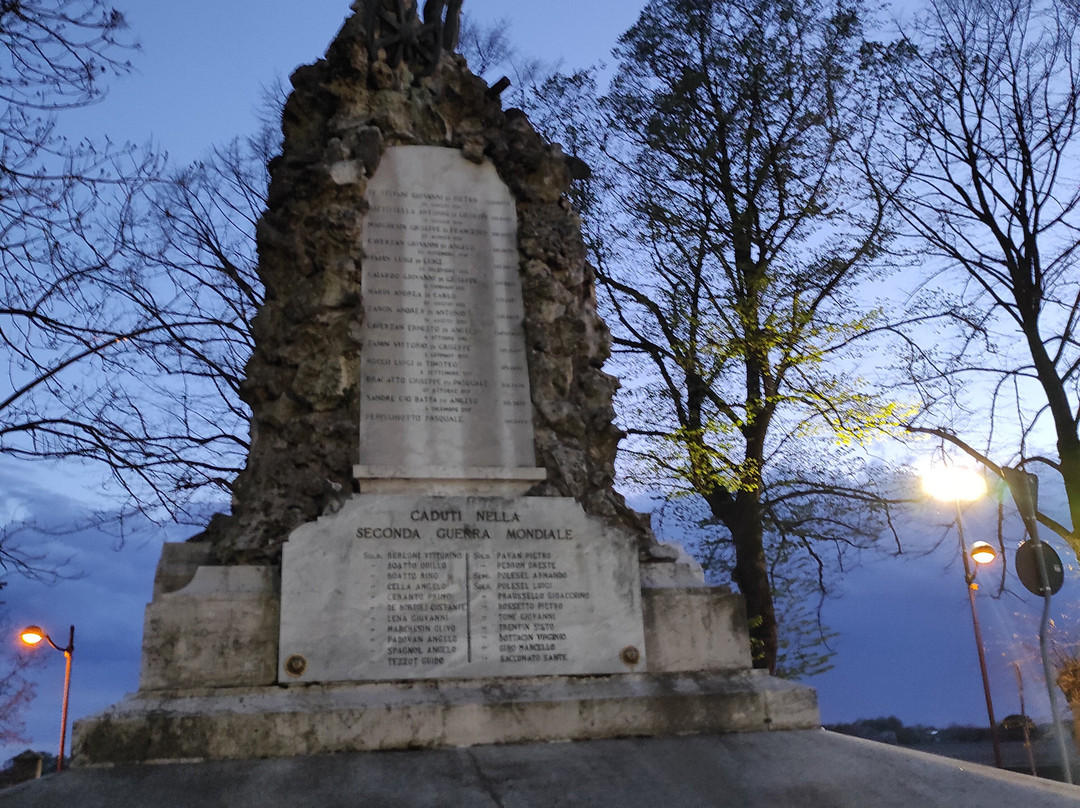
(953, 484)
(983, 552)
(32, 635)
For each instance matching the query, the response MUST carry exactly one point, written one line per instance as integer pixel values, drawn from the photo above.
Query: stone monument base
(318, 719)
(210, 688)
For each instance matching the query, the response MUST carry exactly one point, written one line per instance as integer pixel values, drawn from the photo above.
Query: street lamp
(32, 636)
(956, 485)
(983, 552)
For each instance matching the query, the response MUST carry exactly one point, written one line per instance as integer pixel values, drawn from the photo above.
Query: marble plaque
(406, 587)
(445, 385)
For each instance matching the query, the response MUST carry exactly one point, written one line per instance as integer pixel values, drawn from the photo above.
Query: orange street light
(983, 552)
(32, 636)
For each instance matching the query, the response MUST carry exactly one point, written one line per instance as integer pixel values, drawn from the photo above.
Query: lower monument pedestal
(404, 621)
(317, 719)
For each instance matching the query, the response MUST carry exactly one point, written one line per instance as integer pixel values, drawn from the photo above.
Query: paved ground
(807, 769)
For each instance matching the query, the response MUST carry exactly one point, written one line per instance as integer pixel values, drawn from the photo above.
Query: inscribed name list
(445, 382)
(428, 587)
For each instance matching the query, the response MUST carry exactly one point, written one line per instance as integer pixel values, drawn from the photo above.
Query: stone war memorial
(425, 548)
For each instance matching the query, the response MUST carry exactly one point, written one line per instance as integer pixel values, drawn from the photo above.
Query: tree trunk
(1069, 457)
(741, 515)
(1057, 400)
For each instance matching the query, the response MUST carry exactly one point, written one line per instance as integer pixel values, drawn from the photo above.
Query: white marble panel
(406, 587)
(445, 384)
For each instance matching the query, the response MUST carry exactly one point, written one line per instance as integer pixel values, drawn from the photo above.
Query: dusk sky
(905, 644)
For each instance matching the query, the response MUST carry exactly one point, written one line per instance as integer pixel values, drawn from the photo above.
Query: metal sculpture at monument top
(394, 29)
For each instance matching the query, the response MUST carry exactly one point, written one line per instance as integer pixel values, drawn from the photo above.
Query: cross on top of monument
(394, 29)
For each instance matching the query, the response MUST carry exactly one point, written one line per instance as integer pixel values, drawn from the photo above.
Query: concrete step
(316, 719)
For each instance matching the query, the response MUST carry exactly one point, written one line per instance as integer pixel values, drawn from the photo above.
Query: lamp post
(958, 485)
(32, 635)
(1024, 487)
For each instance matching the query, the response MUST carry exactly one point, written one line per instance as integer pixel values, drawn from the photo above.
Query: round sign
(1027, 567)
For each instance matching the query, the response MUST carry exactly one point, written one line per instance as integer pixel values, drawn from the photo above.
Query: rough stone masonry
(304, 378)
(474, 581)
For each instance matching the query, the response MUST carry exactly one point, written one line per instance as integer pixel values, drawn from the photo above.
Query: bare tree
(736, 238)
(55, 318)
(191, 272)
(986, 115)
(145, 376)
(125, 289)
(487, 47)
(56, 54)
(492, 55)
